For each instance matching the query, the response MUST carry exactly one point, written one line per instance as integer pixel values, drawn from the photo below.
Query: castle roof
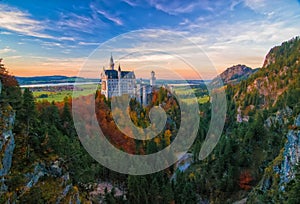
(127, 75)
(113, 74)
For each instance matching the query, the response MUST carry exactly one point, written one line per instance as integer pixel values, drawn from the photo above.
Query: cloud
(106, 15)
(61, 47)
(174, 7)
(130, 3)
(255, 4)
(243, 40)
(66, 39)
(14, 57)
(88, 43)
(274, 8)
(234, 3)
(146, 58)
(76, 22)
(178, 7)
(109, 17)
(84, 23)
(246, 42)
(15, 20)
(5, 33)
(21, 22)
(184, 22)
(281, 25)
(52, 44)
(6, 50)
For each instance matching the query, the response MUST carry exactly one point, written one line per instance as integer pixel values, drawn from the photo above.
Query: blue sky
(55, 37)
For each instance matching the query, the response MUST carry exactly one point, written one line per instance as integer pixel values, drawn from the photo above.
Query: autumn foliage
(7, 79)
(245, 180)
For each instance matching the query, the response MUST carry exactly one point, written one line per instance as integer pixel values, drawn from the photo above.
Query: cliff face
(278, 78)
(282, 170)
(269, 59)
(7, 140)
(291, 156)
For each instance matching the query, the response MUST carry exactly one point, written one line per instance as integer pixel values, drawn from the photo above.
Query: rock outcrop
(280, 118)
(297, 121)
(282, 169)
(183, 164)
(240, 117)
(269, 59)
(291, 157)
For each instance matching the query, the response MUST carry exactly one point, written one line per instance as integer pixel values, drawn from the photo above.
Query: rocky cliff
(7, 141)
(282, 169)
(276, 81)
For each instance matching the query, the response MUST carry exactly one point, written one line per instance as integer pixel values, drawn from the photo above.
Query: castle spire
(111, 62)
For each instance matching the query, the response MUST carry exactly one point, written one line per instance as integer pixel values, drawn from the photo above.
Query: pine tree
(28, 109)
(28, 116)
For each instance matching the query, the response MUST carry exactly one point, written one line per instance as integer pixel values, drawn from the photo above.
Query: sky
(58, 37)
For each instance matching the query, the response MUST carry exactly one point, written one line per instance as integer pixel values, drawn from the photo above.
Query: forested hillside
(259, 148)
(255, 161)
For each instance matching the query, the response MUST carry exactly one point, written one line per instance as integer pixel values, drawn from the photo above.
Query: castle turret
(120, 80)
(1, 67)
(144, 95)
(139, 91)
(152, 79)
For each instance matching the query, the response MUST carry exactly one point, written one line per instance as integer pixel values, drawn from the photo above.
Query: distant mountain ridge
(235, 74)
(64, 79)
(52, 79)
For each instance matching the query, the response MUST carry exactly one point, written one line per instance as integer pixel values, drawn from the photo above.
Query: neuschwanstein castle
(118, 82)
